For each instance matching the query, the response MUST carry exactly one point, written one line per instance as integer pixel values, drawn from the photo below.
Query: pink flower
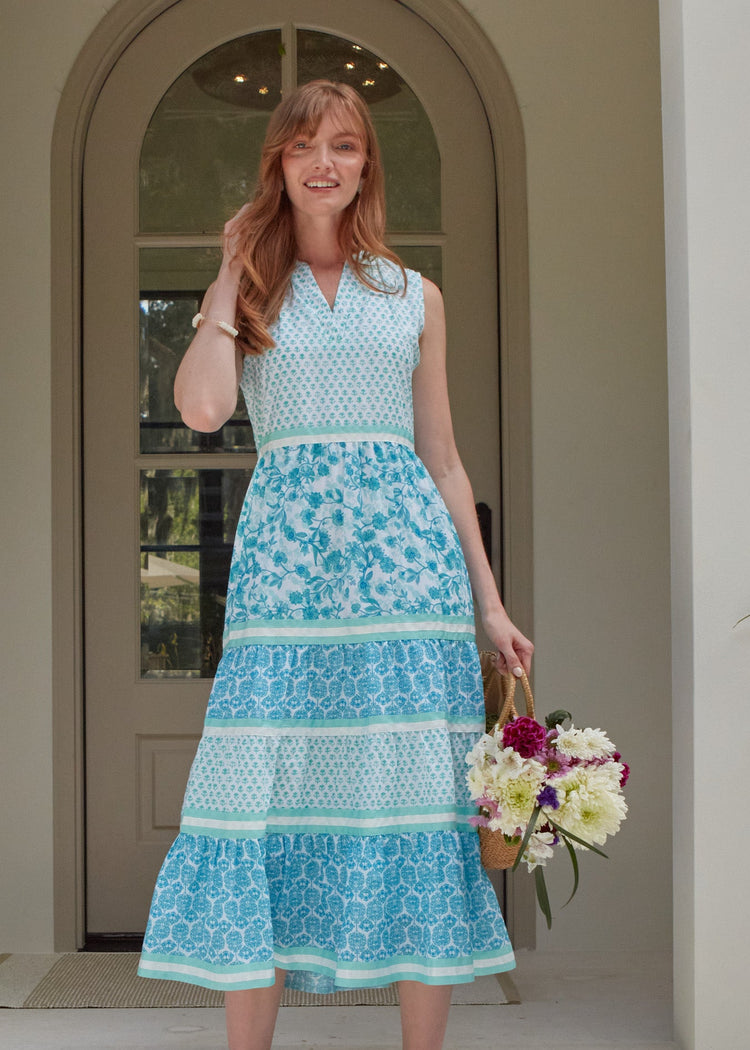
(559, 764)
(489, 804)
(525, 735)
(479, 821)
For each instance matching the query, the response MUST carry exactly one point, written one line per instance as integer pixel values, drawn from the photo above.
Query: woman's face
(322, 172)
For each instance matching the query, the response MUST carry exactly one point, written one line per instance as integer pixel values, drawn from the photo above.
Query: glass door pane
(201, 150)
(172, 284)
(188, 521)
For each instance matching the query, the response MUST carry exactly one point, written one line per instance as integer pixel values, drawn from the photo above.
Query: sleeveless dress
(325, 827)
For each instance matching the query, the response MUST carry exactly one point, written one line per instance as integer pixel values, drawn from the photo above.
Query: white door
(171, 153)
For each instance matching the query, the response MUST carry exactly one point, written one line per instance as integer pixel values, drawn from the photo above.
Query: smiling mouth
(321, 184)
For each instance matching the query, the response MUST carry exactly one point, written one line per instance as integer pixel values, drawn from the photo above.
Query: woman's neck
(318, 244)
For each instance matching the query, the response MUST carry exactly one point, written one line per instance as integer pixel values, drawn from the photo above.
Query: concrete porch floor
(589, 1000)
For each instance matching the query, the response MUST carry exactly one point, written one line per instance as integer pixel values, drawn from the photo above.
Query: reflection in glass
(173, 281)
(188, 521)
(407, 141)
(201, 151)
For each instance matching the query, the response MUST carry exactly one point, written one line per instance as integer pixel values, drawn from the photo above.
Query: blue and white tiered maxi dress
(325, 823)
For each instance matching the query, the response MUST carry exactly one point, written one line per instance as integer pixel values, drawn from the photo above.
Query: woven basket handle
(508, 709)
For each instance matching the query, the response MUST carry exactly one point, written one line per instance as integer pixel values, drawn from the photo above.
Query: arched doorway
(142, 720)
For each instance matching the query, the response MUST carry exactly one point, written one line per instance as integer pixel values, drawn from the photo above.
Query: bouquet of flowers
(544, 786)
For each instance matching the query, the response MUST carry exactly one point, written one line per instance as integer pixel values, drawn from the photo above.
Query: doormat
(108, 980)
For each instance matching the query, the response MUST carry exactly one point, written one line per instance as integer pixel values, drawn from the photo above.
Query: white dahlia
(591, 803)
(514, 783)
(583, 743)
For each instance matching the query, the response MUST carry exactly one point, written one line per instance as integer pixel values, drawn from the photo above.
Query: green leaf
(529, 829)
(542, 896)
(557, 717)
(574, 862)
(282, 50)
(569, 835)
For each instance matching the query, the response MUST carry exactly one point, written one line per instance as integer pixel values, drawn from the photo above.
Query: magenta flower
(525, 735)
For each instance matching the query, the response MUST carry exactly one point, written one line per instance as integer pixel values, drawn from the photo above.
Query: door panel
(160, 502)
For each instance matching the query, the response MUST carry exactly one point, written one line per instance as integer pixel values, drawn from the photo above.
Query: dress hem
(260, 975)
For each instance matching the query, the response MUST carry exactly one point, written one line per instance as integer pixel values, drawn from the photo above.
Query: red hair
(268, 246)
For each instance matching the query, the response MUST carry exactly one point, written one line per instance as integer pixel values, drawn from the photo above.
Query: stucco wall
(586, 75)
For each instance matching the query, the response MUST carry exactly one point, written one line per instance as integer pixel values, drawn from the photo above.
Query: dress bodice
(344, 370)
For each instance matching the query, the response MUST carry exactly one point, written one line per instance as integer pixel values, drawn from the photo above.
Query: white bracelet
(223, 325)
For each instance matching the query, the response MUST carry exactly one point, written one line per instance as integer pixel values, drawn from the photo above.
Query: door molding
(117, 29)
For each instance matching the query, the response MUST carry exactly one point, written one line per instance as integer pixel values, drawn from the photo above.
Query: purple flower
(548, 797)
(525, 735)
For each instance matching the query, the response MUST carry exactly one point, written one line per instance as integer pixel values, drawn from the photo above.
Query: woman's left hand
(513, 650)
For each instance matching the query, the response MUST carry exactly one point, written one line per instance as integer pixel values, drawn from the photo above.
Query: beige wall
(586, 75)
(707, 152)
(39, 43)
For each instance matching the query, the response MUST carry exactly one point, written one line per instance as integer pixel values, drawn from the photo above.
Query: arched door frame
(105, 45)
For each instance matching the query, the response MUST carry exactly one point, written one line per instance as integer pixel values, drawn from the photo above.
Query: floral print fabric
(344, 530)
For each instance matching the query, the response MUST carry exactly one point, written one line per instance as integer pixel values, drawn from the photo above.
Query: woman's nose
(323, 157)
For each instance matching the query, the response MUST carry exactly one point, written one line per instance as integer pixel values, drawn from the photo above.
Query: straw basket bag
(499, 693)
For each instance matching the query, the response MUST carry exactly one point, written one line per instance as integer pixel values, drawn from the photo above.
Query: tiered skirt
(325, 827)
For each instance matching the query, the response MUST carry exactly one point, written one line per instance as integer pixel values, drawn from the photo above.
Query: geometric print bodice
(346, 370)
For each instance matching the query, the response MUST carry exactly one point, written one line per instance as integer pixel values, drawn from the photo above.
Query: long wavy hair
(268, 247)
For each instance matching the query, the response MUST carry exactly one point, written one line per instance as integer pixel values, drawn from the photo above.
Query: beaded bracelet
(223, 325)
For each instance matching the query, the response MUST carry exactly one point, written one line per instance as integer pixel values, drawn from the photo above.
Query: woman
(324, 838)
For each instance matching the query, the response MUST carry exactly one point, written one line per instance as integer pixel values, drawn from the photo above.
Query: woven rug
(109, 980)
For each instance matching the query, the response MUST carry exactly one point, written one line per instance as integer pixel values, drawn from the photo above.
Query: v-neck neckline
(306, 267)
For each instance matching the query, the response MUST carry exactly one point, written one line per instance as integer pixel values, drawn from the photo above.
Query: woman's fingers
(509, 663)
(232, 229)
(513, 655)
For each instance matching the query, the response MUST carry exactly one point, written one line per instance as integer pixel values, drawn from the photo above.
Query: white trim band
(364, 730)
(333, 436)
(329, 631)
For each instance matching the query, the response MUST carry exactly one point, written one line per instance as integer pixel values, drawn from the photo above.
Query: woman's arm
(436, 447)
(206, 384)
